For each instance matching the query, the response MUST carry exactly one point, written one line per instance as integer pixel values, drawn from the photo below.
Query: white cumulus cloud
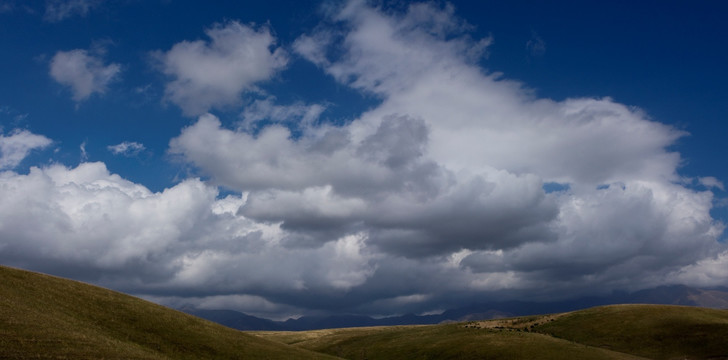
(437, 195)
(454, 160)
(215, 73)
(88, 223)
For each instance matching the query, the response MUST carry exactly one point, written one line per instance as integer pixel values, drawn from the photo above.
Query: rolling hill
(607, 332)
(652, 331)
(46, 317)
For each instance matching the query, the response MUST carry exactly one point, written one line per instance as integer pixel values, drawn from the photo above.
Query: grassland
(652, 331)
(610, 332)
(44, 317)
(451, 341)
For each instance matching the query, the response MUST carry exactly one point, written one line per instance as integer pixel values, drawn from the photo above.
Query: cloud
(615, 237)
(325, 185)
(84, 154)
(126, 148)
(17, 145)
(453, 162)
(432, 198)
(313, 47)
(409, 44)
(6, 7)
(215, 73)
(58, 10)
(707, 272)
(70, 221)
(711, 182)
(16, 116)
(84, 73)
(248, 304)
(90, 224)
(298, 114)
(535, 46)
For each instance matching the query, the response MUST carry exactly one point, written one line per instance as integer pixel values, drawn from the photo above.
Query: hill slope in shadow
(48, 317)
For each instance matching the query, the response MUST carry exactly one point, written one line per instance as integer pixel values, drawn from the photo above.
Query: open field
(44, 317)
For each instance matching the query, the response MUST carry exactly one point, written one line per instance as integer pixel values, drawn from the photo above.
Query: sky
(290, 158)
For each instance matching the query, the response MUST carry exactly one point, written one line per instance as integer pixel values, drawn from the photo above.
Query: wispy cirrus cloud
(6, 7)
(126, 148)
(58, 10)
(711, 182)
(267, 110)
(535, 46)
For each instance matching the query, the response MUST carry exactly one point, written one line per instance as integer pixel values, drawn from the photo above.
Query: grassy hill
(653, 331)
(45, 317)
(609, 332)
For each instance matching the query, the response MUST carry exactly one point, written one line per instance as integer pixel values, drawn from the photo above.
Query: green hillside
(653, 331)
(45, 317)
(610, 332)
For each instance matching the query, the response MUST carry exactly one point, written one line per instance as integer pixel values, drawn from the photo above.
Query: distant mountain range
(672, 295)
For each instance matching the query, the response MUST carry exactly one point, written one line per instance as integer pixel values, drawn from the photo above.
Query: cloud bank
(458, 185)
(454, 162)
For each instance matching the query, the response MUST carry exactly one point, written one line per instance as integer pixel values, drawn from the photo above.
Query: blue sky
(301, 157)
